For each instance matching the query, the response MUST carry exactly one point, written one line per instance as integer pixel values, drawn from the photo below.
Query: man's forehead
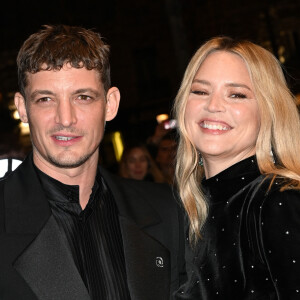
(168, 147)
(67, 72)
(168, 143)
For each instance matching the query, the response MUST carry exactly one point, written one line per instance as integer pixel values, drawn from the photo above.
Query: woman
(238, 174)
(137, 163)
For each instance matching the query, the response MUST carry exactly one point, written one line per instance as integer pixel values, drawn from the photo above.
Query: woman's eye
(238, 95)
(197, 92)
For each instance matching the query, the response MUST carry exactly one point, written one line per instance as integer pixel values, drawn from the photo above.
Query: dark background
(151, 44)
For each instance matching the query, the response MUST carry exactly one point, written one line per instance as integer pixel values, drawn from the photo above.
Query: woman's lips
(214, 125)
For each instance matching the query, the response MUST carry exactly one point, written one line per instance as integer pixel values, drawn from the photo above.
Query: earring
(200, 160)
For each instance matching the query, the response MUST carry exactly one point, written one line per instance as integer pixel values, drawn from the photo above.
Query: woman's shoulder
(278, 200)
(275, 208)
(280, 211)
(280, 232)
(270, 194)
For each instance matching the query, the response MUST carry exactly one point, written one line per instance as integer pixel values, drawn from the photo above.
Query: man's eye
(84, 97)
(44, 99)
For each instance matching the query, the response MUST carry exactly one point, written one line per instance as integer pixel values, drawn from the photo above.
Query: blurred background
(151, 44)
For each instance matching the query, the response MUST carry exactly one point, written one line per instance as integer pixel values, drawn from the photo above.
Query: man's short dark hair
(56, 45)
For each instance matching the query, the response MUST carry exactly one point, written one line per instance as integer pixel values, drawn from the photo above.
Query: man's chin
(68, 162)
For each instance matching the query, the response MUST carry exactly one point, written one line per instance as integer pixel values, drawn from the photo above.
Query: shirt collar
(231, 180)
(60, 192)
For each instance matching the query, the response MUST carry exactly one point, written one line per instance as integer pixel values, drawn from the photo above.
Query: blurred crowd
(153, 159)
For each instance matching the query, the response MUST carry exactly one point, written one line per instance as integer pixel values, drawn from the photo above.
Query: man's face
(66, 111)
(166, 152)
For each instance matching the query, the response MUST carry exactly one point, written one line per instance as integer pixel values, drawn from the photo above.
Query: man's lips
(214, 125)
(64, 138)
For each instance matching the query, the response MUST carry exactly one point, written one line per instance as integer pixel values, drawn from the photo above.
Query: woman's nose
(215, 103)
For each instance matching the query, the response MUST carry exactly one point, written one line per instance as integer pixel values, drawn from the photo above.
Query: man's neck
(83, 176)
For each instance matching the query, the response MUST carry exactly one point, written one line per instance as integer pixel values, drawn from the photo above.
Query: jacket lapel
(48, 268)
(148, 264)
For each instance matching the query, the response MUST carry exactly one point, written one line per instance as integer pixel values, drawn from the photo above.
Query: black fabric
(228, 263)
(36, 267)
(162, 213)
(93, 236)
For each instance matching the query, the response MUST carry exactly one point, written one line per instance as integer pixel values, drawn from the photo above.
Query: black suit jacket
(35, 262)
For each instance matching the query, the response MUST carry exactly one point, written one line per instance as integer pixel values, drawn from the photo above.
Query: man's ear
(21, 107)
(112, 103)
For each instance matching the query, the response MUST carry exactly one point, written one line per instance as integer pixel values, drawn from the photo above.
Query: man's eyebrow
(40, 92)
(86, 90)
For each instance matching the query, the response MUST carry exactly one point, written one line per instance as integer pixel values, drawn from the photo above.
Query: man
(163, 146)
(68, 229)
(165, 156)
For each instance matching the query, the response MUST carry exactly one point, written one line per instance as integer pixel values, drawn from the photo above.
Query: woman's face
(222, 117)
(137, 164)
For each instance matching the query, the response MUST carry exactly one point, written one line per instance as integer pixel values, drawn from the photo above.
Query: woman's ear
(21, 107)
(112, 103)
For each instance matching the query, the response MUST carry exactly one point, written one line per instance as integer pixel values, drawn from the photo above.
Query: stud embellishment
(159, 262)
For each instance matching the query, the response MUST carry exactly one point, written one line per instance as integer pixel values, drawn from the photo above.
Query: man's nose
(66, 114)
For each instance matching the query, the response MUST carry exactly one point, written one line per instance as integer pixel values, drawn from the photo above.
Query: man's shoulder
(137, 186)
(159, 195)
(3, 182)
(145, 186)
(17, 177)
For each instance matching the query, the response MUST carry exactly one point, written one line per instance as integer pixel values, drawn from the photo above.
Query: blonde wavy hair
(279, 128)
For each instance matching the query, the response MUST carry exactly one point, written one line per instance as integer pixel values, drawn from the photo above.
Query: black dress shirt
(93, 236)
